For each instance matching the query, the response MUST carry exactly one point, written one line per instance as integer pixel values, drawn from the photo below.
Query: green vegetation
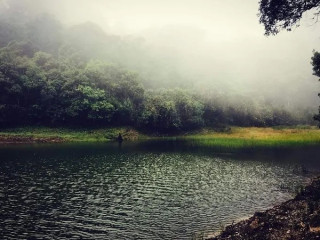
(55, 76)
(316, 71)
(258, 137)
(235, 137)
(73, 135)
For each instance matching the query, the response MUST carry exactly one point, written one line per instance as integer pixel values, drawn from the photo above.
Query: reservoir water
(141, 190)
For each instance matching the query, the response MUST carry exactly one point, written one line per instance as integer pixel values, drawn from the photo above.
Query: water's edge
(296, 219)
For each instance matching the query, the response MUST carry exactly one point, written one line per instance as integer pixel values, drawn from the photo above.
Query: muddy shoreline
(296, 219)
(21, 139)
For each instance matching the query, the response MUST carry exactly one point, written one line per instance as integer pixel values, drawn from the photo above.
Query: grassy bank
(256, 137)
(69, 135)
(234, 137)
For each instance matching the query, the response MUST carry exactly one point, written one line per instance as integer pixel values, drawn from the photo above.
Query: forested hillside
(55, 75)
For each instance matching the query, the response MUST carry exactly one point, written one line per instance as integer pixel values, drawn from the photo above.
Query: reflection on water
(150, 190)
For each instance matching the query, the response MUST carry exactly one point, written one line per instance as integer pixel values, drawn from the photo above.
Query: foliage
(172, 110)
(39, 88)
(316, 71)
(71, 134)
(50, 76)
(253, 137)
(284, 14)
(234, 138)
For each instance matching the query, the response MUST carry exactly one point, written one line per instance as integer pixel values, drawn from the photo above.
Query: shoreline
(295, 219)
(27, 140)
(234, 137)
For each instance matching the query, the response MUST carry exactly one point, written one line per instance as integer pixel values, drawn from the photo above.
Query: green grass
(235, 137)
(73, 135)
(251, 137)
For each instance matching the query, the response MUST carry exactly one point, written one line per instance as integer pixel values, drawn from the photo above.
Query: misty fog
(212, 47)
(159, 119)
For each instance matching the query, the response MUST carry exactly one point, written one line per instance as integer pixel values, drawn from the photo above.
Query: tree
(284, 14)
(90, 104)
(160, 112)
(21, 81)
(316, 71)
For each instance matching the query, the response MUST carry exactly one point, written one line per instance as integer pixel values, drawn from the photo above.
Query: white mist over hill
(210, 46)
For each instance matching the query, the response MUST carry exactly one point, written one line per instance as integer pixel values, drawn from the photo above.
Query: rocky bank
(296, 219)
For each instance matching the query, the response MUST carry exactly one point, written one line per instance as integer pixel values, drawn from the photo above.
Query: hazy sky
(216, 40)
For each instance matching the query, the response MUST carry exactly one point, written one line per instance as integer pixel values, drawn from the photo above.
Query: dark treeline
(49, 77)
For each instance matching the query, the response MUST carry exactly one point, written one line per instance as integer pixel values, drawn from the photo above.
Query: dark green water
(150, 190)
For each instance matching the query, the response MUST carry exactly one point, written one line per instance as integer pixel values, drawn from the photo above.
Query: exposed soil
(20, 139)
(296, 219)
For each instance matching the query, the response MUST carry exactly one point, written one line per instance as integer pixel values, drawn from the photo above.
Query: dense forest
(51, 75)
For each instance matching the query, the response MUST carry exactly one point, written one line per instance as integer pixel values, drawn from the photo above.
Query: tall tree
(316, 71)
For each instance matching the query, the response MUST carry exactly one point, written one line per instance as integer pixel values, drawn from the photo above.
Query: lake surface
(141, 190)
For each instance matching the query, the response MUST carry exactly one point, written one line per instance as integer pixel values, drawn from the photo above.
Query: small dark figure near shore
(119, 138)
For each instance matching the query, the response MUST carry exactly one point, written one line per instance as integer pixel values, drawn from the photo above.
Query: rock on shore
(296, 219)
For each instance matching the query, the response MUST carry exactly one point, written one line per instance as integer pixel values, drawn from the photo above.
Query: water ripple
(98, 193)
